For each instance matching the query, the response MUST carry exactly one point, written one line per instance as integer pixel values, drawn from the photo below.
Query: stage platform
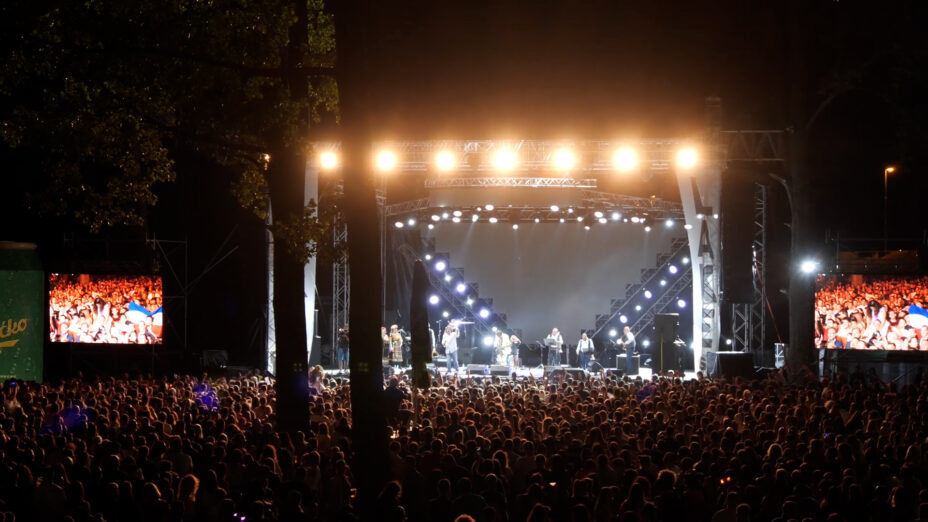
(521, 373)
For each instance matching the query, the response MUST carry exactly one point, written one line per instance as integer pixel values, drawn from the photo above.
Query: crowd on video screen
(858, 312)
(105, 309)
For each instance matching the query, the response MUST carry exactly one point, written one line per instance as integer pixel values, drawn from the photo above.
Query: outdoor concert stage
(524, 373)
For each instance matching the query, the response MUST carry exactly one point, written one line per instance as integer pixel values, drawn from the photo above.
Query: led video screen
(105, 309)
(871, 312)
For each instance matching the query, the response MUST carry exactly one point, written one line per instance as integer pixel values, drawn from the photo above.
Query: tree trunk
(369, 435)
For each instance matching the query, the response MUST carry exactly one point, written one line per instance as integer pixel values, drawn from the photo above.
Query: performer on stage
(450, 342)
(584, 350)
(628, 343)
(385, 341)
(342, 348)
(503, 348)
(514, 343)
(554, 341)
(396, 346)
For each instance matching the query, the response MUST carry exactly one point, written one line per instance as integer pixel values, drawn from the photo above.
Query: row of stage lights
(440, 265)
(506, 159)
(457, 216)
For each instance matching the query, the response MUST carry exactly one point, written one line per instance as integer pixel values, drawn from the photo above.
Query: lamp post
(886, 172)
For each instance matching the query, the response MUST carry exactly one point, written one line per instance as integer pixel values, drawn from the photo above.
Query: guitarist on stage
(627, 343)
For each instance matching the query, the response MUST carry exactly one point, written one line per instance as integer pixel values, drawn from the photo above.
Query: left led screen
(105, 309)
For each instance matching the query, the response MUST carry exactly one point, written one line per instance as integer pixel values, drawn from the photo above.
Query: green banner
(22, 312)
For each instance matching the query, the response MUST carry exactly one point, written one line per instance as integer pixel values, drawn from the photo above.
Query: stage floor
(537, 372)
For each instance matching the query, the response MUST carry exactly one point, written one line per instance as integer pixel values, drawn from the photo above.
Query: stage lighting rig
(328, 160)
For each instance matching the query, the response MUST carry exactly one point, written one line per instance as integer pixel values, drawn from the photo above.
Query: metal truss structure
(749, 319)
(457, 182)
(759, 146)
(341, 284)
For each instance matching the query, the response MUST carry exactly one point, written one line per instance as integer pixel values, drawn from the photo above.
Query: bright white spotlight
(431, 226)
(537, 220)
(808, 266)
(580, 219)
(646, 343)
(616, 216)
(586, 227)
(493, 219)
(624, 220)
(637, 308)
(398, 224)
(563, 159)
(445, 215)
(663, 282)
(447, 278)
(603, 220)
(688, 226)
(625, 159)
(686, 158)
(490, 207)
(435, 217)
(494, 329)
(386, 160)
(433, 299)
(328, 160)
(446, 313)
(488, 340)
(484, 313)
(561, 220)
(440, 265)
(411, 222)
(647, 228)
(474, 218)
(461, 288)
(455, 219)
(555, 208)
(635, 219)
(623, 319)
(715, 216)
(504, 160)
(598, 214)
(668, 223)
(457, 213)
(444, 160)
(681, 303)
(613, 333)
(728, 342)
(700, 215)
(515, 226)
(469, 301)
(672, 269)
(570, 211)
(647, 294)
(428, 257)
(685, 260)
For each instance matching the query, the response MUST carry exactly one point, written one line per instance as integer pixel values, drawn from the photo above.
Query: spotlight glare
(598, 214)
(446, 313)
(561, 220)
(563, 159)
(474, 218)
(625, 159)
(469, 301)
(648, 294)
(386, 160)
(489, 207)
(586, 227)
(445, 215)
(715, 216)
(493, 219)
(623, 319)
(461, 288)
(428, 257)
(455, 219)
(686, 158)
(484, 313)
(440, 265)
(808, 266)
(688, 226)
(635, 219)
(328, 160)
(433, 299)
(431, 226)
(681, 303)
(637, 308)
(700, 215)
(555, 208)
(515, 226)
(457, 213)
(663, 282)
(616, 216)
(646, 343)
(494, 329)
(537, 220)
(488, 340)
(647, 228)
(672, 269)
(398, 224)
(612, 333)
(570, 211)
(728, 342)
(580, 219)
(668, 223)
(504, 160)
(603, 220)
(435, 217)
(411, 222)
(685, 260)
(447, 278)
(444, 160)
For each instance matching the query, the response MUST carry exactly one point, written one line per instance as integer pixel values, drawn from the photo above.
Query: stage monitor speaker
(729, 365)
(636, 363)
(476, 369)
(499, 369)
(737, 235)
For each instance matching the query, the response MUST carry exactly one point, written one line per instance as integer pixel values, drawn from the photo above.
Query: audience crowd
(105, 309)
(868, 314)
(185, 448)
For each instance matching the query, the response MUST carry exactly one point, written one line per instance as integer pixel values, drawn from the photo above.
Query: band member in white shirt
(584, 350)
(554, 341)
(627, 342)
(450, 342)
(503, 348)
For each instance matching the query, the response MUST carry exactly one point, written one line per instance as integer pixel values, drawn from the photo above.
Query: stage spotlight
(431, 226)
(613, 333)
(537, 220)
(440, 265)
(668, 223)
(663, 282)
(688, 226)
(647, 294)
(624, 220)
(700, 215)
(625, 159)
(646, 343)
(647, 228)
(435, 217)
(504, 160)
(728, 342)
(494, 329)
(598, 214)
(635, 219)
(455, 219)
(474, 218)
(681, 303)
(445, 314)
(715, 216)
(434, 299)
(493, 219)
(445, 215)
(603, 220)
(457, 213)
(444, 160)
(586, 227)
(461, 288)
(328, 160)
(580, 219)
(515, 226)
(637, 308)
(411, 222)
(398, 224)
(616, 216)
(563, 159)
(469, 301)
(808, 266)
(686, 158)
(484, 313)
(570, 210)
(428, 257)
(561, 220)
(623, 319)
(672, 269)
(386, 160)
(447, 278)
(685, 260)
(488, 341)
(490, 207)
(555, 208)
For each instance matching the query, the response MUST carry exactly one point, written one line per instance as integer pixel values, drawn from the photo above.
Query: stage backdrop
(22, 309)
(553, 274)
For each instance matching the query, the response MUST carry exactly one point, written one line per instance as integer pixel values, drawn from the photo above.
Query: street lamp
(886, 172)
